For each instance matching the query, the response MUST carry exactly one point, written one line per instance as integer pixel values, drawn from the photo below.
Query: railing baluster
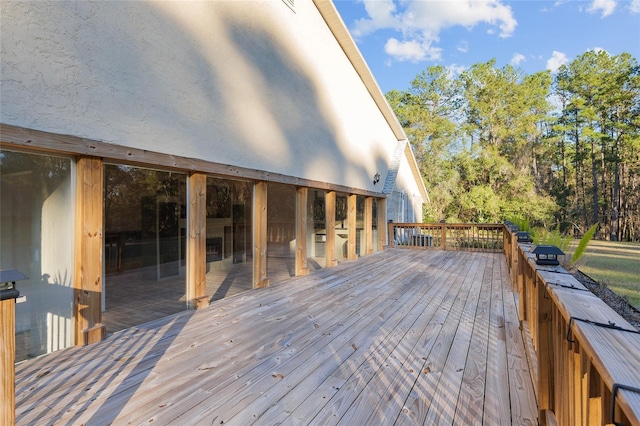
(577, 366)
(464, 237)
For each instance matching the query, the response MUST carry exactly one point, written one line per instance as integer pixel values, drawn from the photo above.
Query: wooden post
(260, 236)
(515, 260)
(382, 220)
(545, 351)
(519, 264)
(301, 232)
(196, 254)
(390, 232)
(7, 362)
(351, 212)
(330, 220)
(505, 246)
(368, 226)
(523, 275)
(443, 235)
(88, 251)
(575, 390)
(533, 294)
(594, 389)
(585, 365)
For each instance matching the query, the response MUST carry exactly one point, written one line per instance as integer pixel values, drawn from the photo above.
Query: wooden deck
(398, 337)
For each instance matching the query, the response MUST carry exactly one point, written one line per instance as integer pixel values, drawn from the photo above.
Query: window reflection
(281, 231)
(374, 224)
(36, 238)
(316, 229)
(360, 235)
(342, 227)
(228, 246)
(145, 245)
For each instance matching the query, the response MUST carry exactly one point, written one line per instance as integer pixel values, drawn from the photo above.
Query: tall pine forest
(560, 150)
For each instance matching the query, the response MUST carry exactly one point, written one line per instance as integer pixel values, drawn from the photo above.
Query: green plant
(551, 238)
(582, 245)
(521, 223)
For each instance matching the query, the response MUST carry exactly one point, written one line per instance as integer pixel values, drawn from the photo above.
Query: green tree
(490, 145)
(600, 95)
(429, 112)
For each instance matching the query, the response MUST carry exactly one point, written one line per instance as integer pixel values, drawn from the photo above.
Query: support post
(7, 362)
(260, 236)
(88, 251)
(302, 267)
(196, 254)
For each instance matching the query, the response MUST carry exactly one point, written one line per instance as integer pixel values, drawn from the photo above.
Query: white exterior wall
(405, 202)
(246, 83)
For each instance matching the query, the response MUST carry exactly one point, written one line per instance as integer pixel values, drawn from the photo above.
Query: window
(145, 245)
(229, 244)
(316, 229)
(37, 239)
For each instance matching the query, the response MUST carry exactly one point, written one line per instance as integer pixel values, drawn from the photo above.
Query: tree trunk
(594, 177)
(615, 199)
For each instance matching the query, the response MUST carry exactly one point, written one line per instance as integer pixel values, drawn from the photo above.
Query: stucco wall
(247, 83)
(405, 203)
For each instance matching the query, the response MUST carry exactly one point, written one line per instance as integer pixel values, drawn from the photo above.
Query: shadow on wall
(294, 105)
(167, 77)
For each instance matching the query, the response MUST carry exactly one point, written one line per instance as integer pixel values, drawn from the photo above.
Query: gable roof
(341, 33)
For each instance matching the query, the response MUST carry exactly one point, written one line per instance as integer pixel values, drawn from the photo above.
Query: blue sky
(401, 38)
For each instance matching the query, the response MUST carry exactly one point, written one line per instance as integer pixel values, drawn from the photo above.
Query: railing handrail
(448, 236)
(588, 356)
(448, 225)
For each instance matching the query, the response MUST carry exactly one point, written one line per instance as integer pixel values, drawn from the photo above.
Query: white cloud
(455, 70)
(381, 15)
(412, 50)
(420, 23)
(556, 60)
(634, 6)
(550, 7)
(517, 59)
(605, 6)
(463, 46)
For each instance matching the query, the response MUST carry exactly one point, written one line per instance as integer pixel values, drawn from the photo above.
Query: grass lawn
(616, 264)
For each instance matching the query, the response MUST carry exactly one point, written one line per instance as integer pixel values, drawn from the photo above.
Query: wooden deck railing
(588, 370)
(447, 236)
(588, 356)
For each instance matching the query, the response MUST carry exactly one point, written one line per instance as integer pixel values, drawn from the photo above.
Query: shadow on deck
(401, 336)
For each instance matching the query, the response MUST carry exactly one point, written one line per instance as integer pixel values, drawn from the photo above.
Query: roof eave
(337, 26)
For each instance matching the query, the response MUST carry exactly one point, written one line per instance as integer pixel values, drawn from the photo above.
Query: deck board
(398, 337)
(471, 398)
